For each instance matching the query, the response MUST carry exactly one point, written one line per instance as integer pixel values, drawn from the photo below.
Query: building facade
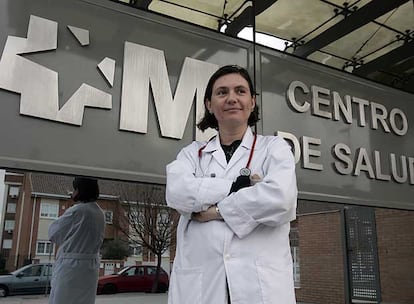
(126, 85)
(33, 201)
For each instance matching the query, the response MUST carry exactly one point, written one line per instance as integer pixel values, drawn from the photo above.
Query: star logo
(38, 85)
(143, 68)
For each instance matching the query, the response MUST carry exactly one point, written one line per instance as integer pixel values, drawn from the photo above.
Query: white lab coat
(79, 233)
(250, 248)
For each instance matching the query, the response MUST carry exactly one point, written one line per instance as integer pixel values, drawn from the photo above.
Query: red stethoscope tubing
(200, 151)
(251, 151)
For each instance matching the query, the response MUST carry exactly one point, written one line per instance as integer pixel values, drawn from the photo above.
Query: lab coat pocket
(276, 282)
(186, 286)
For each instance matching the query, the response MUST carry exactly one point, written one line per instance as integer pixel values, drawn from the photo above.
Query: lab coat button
(227, 257)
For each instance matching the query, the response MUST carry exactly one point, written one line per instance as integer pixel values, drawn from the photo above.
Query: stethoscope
(243, 171)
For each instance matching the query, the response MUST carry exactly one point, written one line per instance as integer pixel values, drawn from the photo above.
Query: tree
(115, 250)
(148, 221)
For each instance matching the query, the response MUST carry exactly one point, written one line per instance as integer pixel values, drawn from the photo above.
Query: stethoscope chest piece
(245, 172)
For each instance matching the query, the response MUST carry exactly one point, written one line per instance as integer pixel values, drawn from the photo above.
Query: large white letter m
(144, 65)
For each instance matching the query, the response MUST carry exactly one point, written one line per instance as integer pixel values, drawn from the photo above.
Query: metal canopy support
(362, 16)
(389, 59)
(144, 4)
(245, 18)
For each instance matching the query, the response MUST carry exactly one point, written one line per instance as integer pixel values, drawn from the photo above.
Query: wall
(321, 258)
(396, 255)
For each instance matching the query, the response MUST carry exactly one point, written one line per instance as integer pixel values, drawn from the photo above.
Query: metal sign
(38, 85)
(83, 100)
(352, 139)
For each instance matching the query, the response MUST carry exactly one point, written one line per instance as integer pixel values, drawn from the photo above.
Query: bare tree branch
(147, 220)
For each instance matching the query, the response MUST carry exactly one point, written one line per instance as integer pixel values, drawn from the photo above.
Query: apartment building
(32, 201)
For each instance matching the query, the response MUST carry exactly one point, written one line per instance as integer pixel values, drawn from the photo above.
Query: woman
(237, 195)
(79, 233)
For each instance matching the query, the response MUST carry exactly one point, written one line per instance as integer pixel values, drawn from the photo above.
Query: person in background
(78, 233)
(236, 194)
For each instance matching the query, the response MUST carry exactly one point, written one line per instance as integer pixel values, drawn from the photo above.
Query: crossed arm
(271, 201)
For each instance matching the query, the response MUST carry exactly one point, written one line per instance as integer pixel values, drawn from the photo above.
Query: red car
(133, 278)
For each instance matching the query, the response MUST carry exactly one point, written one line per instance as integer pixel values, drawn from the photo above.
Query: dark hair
(88, 189)
(208, 120)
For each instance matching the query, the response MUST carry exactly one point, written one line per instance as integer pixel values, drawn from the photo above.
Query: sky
(267, 40)
(263, 39)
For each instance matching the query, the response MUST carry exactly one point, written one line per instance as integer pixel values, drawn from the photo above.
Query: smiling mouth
(232, 109)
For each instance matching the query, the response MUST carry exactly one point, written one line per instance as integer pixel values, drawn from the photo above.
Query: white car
(30, 279)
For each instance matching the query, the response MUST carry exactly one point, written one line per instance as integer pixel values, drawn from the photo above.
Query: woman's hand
(210, 214)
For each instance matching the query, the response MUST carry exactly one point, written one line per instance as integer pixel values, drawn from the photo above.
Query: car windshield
(29, 271)
(123, 270)
(33, 270)
(17, 271)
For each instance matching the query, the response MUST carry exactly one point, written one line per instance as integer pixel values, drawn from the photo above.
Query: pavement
(121, 298)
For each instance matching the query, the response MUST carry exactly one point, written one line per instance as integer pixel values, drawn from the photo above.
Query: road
(122, 298)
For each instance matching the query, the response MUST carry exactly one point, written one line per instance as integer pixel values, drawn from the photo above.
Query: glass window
(7, 244)
(11, 208)
(296, 265)
(130, 271)
(135, 250)
(151, 270)
(135, 271)
(294, 249)
(44, 247)
(48, 270)
(34, 271)
(14, 192)
(139, 271)
(9, 225)
(48, 210)
(109, 217)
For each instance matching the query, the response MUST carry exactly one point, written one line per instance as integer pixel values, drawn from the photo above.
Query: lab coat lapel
(216, 151)
(244, 148)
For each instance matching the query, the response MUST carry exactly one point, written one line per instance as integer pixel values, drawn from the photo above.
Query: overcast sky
(267, 40)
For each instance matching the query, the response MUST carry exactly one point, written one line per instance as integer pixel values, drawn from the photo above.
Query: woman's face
(231, 101)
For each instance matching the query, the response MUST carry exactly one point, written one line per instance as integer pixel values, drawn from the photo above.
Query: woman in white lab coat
(237, 195)
(78, 233)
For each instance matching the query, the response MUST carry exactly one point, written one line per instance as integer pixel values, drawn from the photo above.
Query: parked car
(133, 278)
(30, 279)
